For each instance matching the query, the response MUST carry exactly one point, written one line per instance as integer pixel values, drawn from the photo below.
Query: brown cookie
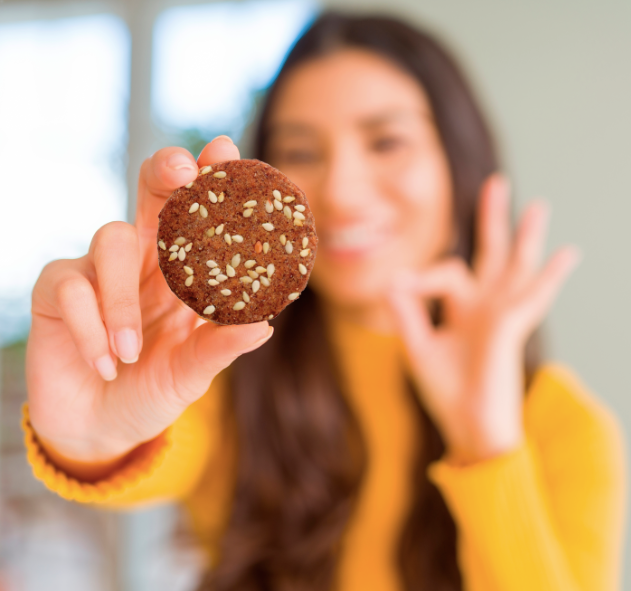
(237, 245)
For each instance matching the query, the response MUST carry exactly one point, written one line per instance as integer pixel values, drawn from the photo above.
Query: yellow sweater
(547, 516)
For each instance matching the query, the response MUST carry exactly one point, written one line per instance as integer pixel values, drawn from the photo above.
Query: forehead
(349, 87)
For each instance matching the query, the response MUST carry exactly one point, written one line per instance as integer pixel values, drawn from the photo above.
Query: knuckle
(116, 232)
(72, 290)
(123, 304)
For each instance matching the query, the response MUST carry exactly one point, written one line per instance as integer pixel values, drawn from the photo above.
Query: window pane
(210, 60)
(62, 141)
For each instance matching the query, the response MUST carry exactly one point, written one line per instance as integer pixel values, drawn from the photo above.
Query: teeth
(353, 237)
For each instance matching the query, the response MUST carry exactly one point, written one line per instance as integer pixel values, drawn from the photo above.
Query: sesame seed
(270, 317)
(265, 247)
(245, 279)
(246, 297)
(287, 212)
(249, 264)
(188, 247)
(276, 194)
(255, 286)
(219, 229)
(189, 281)
(209, 309)
(267, 226)
(220, 175)
(305, 252)
(227, 238)
(250, 203)
(180, 241)
(302, 269)
(265, 281)
(162, 245)
(289, 199)
(293, 296)
(253, 274)
(181, 254)
(220, 198)
(258, 247)
(298, 223)
(269, 208)
(237, 238)
(174, 248)
(206, 170)
(189, 185)
(188, 270)
(212, 197)
(247, 213)
(270, 269)
(299, 207)
(261, 270)
(203, 211)
(210, 232)
(225, 292)
(236, 259)
(278, 205)
(214, 272)
(238, 305)
(289, 248)
(230, 271)
(221, 277)
(193, 208)
(213, 282)
(305, 242)
(211, 264)
(173, 256)
(283, 239)
(299, 216)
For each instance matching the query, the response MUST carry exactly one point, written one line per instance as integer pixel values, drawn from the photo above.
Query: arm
(549, 514)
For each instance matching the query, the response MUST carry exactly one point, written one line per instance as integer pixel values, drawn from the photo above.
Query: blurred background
(88, 89)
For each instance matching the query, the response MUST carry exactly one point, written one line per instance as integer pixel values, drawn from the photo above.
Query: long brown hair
(301, 454)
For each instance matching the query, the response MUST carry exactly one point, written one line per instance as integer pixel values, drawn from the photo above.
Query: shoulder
(571, 426)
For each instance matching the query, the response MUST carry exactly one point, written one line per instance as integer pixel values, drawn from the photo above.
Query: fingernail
(260, 342)
(179, 161)
(126, 342)
(223, 137)
(106, 368)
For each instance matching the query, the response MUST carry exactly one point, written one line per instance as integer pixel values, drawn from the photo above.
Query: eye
(387, 144)
(293, 156)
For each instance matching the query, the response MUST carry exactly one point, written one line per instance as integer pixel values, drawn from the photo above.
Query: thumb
(210, 349)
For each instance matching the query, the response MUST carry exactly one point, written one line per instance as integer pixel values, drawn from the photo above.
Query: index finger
(167, 170)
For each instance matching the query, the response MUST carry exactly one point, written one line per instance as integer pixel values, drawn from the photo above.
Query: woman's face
(356, 133)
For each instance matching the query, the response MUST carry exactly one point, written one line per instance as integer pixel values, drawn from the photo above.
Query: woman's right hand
(114, 303)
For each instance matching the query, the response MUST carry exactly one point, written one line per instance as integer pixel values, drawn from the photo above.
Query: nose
(347, 186)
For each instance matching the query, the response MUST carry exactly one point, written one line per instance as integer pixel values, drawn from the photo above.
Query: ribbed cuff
(142, 463)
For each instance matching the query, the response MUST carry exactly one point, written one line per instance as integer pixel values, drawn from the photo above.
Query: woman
(391, 435)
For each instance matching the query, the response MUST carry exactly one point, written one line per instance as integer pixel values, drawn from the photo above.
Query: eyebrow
(300, 129)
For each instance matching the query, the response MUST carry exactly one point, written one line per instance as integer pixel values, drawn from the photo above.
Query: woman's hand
(469, 370)
(114, 303)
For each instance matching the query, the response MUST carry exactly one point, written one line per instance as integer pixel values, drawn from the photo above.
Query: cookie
(237, 245)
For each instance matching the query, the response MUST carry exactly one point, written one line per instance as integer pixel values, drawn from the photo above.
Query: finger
(77, 306)
(209, 350)
(492, 228)
(535, 303)
(412, 320)
(219, 150)
(528, 246)
(450, 279)
(114, 252)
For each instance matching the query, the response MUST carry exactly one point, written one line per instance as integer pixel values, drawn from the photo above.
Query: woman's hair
(301, 454)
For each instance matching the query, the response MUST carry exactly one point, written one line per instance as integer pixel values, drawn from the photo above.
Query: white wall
(556, 80)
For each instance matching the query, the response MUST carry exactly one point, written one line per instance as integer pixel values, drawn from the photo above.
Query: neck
(375, 316)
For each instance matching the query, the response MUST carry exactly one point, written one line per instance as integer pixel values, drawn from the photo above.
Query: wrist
(465, 451)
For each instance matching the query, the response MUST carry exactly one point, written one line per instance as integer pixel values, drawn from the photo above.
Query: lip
(348, 244)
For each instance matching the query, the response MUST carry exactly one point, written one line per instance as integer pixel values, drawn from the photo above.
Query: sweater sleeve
(164, 469)
(549, 515)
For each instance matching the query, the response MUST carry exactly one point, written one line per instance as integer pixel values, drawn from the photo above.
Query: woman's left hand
(469, 369)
